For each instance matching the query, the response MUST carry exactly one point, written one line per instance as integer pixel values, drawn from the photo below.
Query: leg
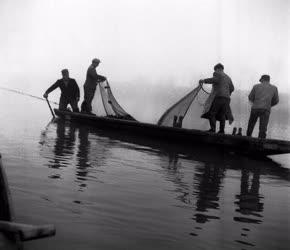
(223, 111)
(264, 119)
(74, 105)
(252, 122)
(222, 124)
(214, 109)
(229, 114)
(218, 111)
(88, 98)
(63, 102)
(84, 104)
(212, 123)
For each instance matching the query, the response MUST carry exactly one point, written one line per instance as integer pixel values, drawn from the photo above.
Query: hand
(201, 81)
(78, 99)
(45, 95)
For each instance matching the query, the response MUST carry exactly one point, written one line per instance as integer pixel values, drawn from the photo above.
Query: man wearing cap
(263, 96)
(70, 92)
(220, 107)
(92, 80)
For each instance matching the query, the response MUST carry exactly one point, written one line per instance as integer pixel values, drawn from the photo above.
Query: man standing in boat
(92, 80)
(263, 96)
(221, 93)
(70, 92)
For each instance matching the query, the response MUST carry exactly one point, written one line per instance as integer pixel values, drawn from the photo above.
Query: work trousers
(63, 102)
(89, 93)
(219, 108)
(263, 116)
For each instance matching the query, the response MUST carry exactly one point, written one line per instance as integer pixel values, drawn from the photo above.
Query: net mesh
(175, 114)
(189, 110)
(111, 107)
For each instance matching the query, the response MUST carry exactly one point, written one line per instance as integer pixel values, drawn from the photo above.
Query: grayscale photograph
(145, 124)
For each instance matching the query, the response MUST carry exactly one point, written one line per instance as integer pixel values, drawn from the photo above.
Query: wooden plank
(11, 240)
(12, 234)
(27, 232)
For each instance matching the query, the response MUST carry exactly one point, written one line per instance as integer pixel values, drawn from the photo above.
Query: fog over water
(108, 190)
(153, 52)
(143, 42)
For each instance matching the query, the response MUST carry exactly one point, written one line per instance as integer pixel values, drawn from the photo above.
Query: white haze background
(146, 46)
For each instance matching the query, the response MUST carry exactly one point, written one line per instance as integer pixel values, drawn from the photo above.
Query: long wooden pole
(50, 108)
(26, 94)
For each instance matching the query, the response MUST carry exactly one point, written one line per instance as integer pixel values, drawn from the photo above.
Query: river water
(105, 190)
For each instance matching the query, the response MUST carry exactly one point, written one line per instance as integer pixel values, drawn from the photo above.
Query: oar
(50, 108)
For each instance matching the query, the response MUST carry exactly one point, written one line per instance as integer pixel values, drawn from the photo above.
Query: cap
(96, 60)
(64, 71)
(219, 66)
(265, 78)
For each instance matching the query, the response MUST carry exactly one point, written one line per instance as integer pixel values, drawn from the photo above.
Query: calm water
(104, 190)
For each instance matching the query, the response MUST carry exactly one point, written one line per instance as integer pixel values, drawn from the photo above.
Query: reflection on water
(208, 181)
(248, 200)
(83, 163)
(199, 183)
(249, 203)
(206, 186)
(109, 190)
(73, 148)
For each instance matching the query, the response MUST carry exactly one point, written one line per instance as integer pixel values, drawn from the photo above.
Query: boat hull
(239, 144)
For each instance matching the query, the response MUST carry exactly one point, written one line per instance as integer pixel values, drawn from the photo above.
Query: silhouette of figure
(209, 179)
(249, 203)
(64, 143)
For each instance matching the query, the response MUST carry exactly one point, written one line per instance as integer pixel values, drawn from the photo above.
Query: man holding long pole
(70, 92)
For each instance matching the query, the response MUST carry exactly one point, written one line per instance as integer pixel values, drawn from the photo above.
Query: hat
(265, 78)
(219, 66)
(64, 71)
(96, 60)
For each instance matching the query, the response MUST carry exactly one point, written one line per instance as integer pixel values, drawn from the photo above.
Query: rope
(198, 101)
(26, 94)
(204, 89)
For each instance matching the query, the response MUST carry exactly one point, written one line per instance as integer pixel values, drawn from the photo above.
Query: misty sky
(141, 41)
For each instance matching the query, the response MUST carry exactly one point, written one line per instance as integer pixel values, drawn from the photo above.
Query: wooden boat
(13, 234)
(231, 143)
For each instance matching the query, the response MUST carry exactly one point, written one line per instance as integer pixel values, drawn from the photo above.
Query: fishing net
(175, 114)
(109, 105)
(189, 110)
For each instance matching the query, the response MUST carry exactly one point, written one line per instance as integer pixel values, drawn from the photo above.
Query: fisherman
(70, 92)
(219, 104)
(92, 80)
(263, 96)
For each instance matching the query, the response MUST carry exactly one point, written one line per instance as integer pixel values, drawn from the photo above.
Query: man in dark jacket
(70, 92)
(263, 96)
(92, 80)
(223, 88)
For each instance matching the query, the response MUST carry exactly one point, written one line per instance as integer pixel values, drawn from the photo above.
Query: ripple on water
(109, 191)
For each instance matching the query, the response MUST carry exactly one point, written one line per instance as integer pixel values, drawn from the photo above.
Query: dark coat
(70, 92)
(92, 78)
(222, 87)
(222, 84)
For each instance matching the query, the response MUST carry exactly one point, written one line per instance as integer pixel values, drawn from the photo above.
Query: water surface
(105, 190)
